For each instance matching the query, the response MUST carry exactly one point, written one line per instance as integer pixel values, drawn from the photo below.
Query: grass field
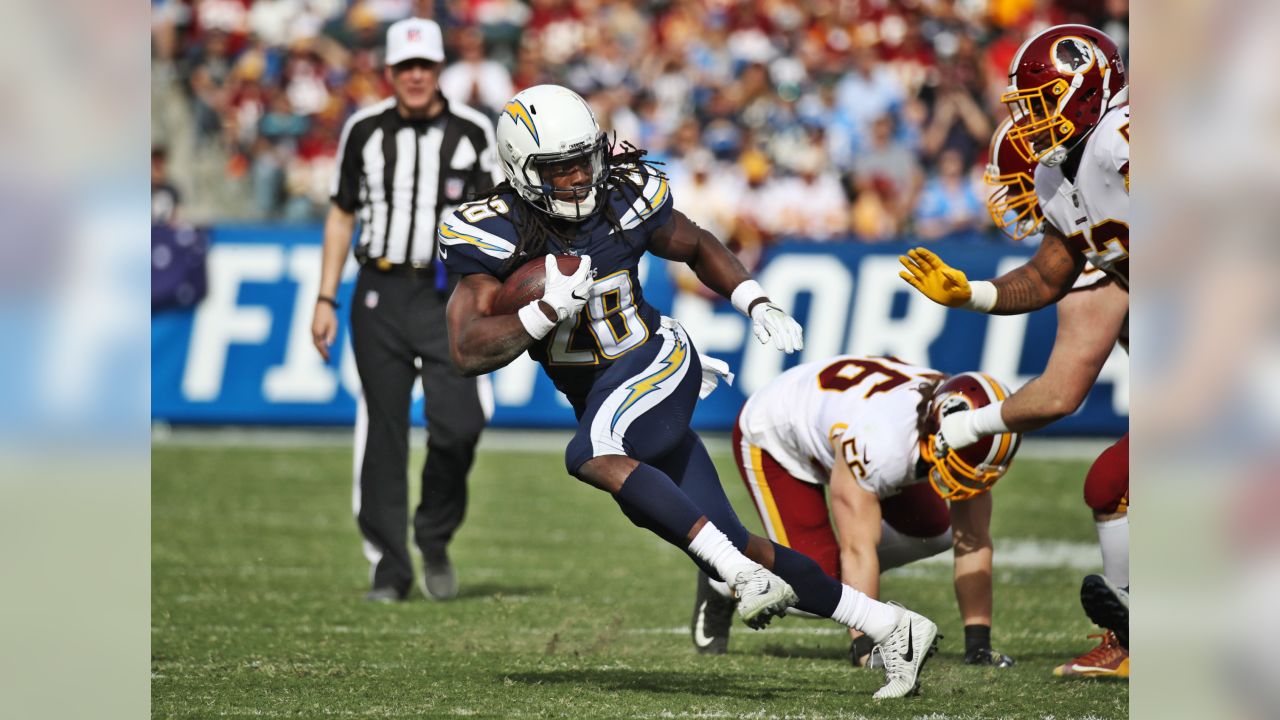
(566, 610)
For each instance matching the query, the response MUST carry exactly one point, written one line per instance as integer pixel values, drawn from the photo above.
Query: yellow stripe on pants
(766, 495)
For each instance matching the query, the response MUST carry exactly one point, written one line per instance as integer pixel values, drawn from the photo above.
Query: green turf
(566, 610)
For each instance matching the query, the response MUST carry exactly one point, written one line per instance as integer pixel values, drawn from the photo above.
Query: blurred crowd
(850, 120)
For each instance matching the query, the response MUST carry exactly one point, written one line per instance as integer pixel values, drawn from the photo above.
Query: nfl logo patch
(371, 299)
(453, 188)
(414, 35)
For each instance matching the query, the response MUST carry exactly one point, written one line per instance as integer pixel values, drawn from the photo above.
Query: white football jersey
(1093, 212)
(869, 403)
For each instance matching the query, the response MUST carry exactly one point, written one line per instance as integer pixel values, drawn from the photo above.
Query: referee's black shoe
(384, 595)
(712, 618)
(439, 580)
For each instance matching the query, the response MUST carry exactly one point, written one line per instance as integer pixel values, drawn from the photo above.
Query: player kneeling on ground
(864, 427)
(631, 375)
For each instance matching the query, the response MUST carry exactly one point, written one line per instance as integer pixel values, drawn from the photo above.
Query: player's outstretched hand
(566, 294)
(935, 279)
(770, 323)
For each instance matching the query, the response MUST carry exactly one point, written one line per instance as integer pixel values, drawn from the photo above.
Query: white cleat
(913, 641)
(762, 596)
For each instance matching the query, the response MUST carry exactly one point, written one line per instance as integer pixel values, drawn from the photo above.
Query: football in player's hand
(526, 284)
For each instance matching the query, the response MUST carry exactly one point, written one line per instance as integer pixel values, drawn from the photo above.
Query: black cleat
(1107, 606)
(989, 657)
(712, 618)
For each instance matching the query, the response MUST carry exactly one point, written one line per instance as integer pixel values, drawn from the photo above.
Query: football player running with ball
(845, 446)
(1068, 98)
(632, 375)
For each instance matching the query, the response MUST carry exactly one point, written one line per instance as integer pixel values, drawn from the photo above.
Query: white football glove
(770, 323)
(956, 432)
(566, 294)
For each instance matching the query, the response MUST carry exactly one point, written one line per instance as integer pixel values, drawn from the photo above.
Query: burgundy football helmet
(1061, 82)
(1013, 204)
(965, 473)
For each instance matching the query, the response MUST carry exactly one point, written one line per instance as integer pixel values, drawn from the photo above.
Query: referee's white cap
(414, 38)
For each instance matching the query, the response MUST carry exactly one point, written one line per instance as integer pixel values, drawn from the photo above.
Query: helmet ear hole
(953, 404)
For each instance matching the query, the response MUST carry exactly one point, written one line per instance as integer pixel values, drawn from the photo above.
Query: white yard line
(509, 440)
(1032, 555)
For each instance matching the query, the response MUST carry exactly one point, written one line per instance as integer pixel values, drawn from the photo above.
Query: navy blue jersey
(479, 237)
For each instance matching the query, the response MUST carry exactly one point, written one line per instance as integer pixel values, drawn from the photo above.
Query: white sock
(1113, 536)
(721, 588)
(712, 547)
(863, 612)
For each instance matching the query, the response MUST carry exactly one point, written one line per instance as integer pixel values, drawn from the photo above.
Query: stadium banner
(244, 354)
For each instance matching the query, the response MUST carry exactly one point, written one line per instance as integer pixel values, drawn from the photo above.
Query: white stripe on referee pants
(371, 551)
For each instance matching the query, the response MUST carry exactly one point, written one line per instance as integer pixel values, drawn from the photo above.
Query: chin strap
(1119, 98)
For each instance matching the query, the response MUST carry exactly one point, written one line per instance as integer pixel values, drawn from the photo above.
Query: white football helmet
(548, 125)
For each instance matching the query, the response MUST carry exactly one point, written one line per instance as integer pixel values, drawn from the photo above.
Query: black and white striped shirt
(400, 176)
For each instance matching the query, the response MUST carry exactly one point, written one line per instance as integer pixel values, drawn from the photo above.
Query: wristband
(535, 321)
(745, 296)
(328, 300)
(987, 420)
(982, 297)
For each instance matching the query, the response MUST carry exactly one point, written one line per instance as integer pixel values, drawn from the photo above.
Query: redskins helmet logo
(1072, 55)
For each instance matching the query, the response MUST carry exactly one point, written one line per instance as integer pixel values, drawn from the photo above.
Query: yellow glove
(934, 279)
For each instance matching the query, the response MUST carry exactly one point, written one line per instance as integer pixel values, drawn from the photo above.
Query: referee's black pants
(396, 318)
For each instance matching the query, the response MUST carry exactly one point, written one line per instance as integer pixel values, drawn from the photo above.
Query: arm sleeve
(345, 190)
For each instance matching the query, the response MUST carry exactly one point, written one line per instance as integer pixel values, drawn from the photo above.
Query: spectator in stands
(708, 194)
(165, 198)
(722, 76)
(475, 80)
(812, 203)
(208, 78)
(950, 206)
(758, 213)
(957, 123)
(871, 217)
(866, 94)
(888, 168)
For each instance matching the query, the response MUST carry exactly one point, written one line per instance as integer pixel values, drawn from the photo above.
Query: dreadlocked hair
(534, 227)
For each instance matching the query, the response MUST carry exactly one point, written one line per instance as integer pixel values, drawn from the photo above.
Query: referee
(402, 163)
